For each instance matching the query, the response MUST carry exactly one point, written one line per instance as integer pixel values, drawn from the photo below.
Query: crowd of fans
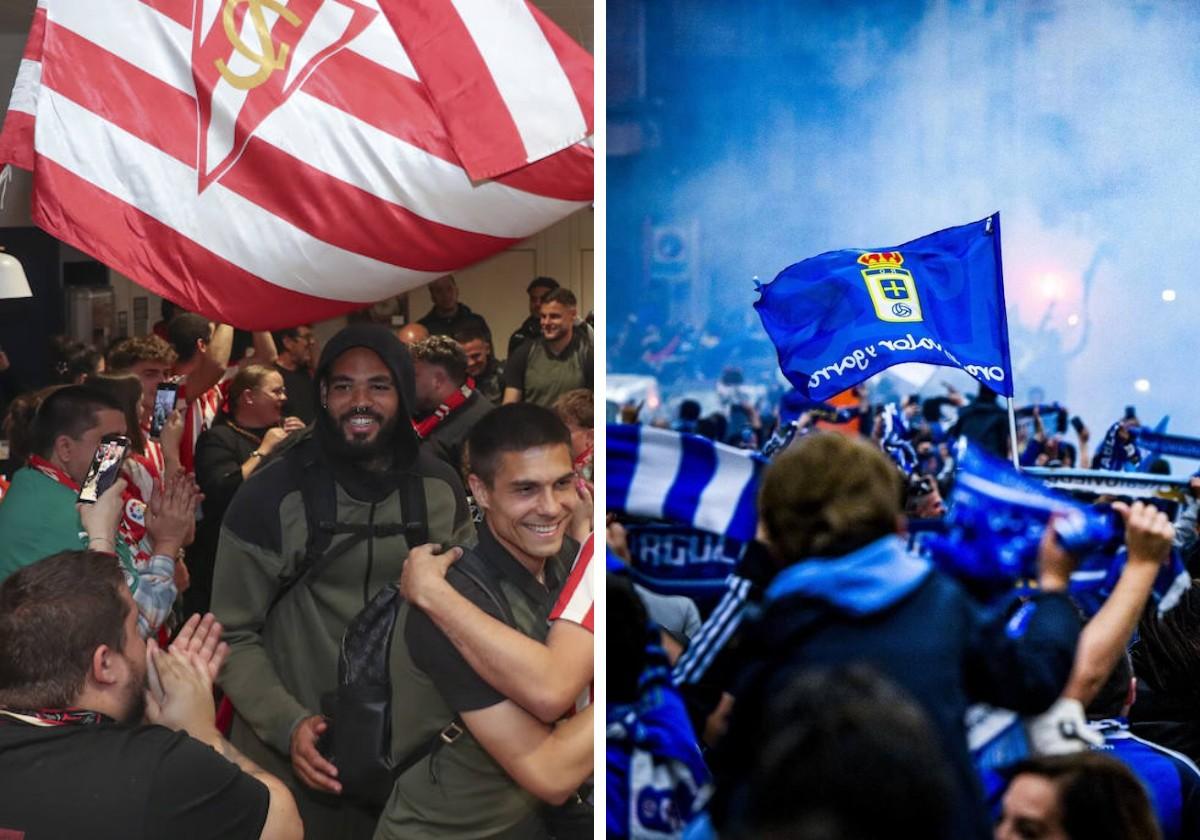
(202, 647)
(848, 684)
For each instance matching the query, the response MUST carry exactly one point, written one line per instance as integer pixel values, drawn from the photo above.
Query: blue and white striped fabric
(683, 478)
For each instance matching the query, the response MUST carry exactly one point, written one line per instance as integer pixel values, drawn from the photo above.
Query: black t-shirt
(432, 652)
(111, 780)
(301, 394)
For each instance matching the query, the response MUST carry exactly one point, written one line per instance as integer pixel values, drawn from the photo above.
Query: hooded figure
(284, 609)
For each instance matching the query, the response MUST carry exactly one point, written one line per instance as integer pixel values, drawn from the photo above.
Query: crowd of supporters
(223, 644)
(852, 678)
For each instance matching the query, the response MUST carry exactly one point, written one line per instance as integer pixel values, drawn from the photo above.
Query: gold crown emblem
(886, 259)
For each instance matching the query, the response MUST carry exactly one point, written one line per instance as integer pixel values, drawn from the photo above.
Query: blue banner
(677, 560)
(840, 318)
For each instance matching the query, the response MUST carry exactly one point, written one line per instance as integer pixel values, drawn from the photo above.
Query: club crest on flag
(249, 56)
(892, 288)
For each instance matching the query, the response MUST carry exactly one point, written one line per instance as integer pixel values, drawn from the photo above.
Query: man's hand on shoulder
(424, 573)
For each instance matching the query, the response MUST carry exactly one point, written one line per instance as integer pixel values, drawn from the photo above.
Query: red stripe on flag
(117, 234)
(179, 11)
(130, 99)
(16, 140)
(568, 175)
(320, 204)
(589, 620)
(379, 224)
(410, 117)
(576, 63)
(460, 84)
(37, 35)
(408, 114)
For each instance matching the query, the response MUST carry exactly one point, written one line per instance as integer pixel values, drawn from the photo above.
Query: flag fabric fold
(683, 478)
(274, 162)
(839, 318)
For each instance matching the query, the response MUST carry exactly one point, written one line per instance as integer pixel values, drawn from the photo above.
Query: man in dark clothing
(76, 759)
(362, 451)
(1170, 778)
(492, 763)
(847, 591)
(482, 365)
(448, 316)
(447, 407)
(560, 360)
(295, 348)
(531, 327)
(984, 422)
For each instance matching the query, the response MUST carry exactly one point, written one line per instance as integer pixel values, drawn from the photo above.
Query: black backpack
(362, 727)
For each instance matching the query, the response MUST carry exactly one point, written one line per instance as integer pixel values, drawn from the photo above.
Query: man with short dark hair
(531, 327)
(307, 542)
(448, 315)
(294, 363)
(560, 360)
(75, 681)
(484, 761)
(40, 515)
(447, 408)
(482, 364)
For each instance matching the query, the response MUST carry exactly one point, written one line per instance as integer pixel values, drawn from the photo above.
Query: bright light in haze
(1142, 385)
(1051, 286)
(1168, 295)
(1073, 321)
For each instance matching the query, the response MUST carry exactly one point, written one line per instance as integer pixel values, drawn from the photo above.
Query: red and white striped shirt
(576, 603)
(199, 415)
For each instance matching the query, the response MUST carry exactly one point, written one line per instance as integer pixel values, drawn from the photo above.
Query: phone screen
(106, 463)
(164, 404)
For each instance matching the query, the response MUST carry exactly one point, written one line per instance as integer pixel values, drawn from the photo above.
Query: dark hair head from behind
(628, 632)
(184, 330)
(127, 390)
(516, 427)
(828, 495)
(839, 753)
(1167, 653)
(53, 615)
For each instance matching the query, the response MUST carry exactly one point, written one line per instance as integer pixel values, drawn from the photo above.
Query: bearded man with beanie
(286, 605)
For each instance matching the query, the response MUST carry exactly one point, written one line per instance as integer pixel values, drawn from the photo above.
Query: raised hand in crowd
(170, 439)
(583, 517)
(273, 437)
(1148, 537)
(292, 424)
(201, 637)
(171, 514)
(100, 520)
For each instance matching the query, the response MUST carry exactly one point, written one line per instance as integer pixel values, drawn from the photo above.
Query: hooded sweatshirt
(282, 663)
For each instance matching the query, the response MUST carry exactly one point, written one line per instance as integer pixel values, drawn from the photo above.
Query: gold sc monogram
(267, 59)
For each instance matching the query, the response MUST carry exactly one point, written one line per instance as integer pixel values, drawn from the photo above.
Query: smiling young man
(487, 767)
(560, 360)
(286, 600)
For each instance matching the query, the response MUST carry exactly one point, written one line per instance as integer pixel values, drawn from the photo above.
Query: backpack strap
(318, 493)
(480, 572)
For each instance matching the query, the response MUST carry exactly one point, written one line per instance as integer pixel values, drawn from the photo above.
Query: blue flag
(844, 316)
(682, 478)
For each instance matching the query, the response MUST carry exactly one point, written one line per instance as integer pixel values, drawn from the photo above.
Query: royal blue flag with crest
(844, 316)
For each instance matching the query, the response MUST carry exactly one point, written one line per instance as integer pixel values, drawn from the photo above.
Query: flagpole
(1012, 431)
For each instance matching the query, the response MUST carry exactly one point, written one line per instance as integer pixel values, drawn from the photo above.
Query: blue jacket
(1170, 778)
(888, 609)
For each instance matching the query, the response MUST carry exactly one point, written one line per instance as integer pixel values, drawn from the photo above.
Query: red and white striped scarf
(453, 403)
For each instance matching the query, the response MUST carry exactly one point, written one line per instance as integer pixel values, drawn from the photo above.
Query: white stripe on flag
(658, 458)
(134, 32)
(25, 91)
(217, 219)
(719, 500)
(527, 73)
(434, 189)
(378, 43)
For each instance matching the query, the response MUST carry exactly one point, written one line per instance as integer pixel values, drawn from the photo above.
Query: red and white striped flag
(274, 162)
